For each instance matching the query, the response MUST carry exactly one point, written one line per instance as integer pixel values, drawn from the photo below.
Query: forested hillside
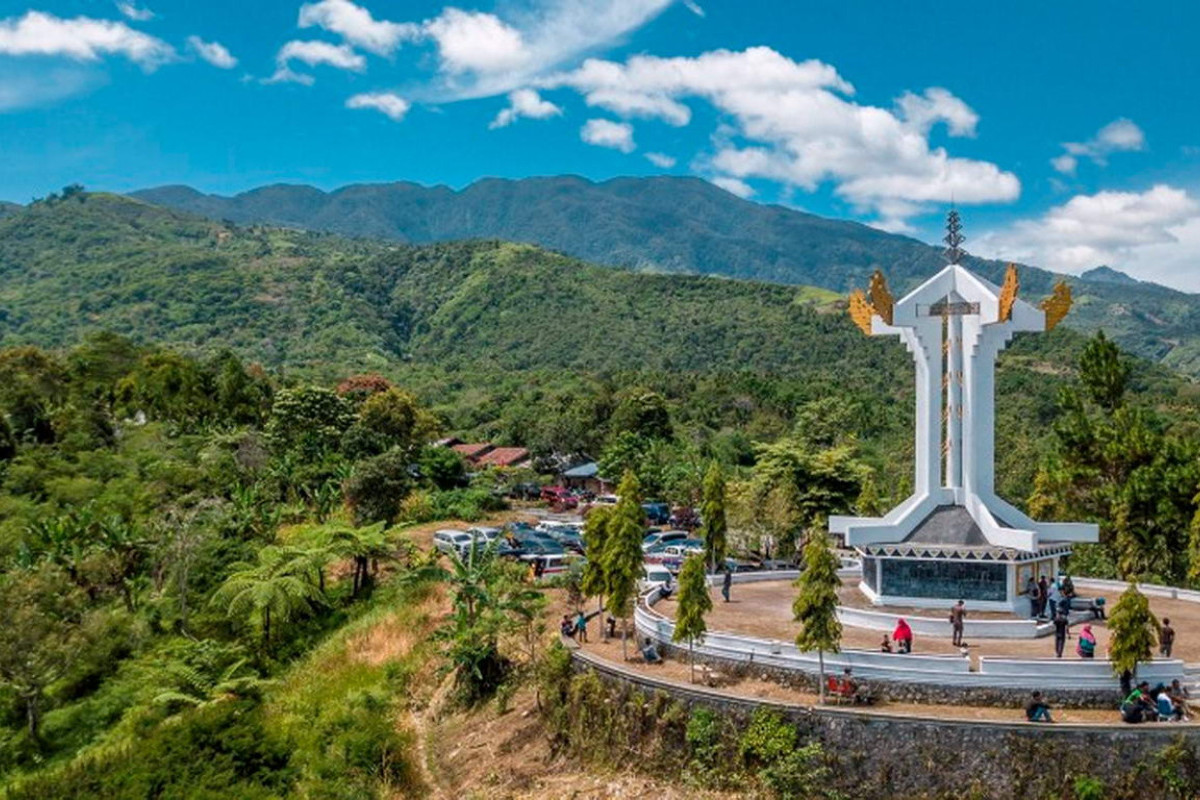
(215, 578)
(677, 224)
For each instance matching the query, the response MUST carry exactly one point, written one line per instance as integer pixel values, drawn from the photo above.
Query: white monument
(954, 537)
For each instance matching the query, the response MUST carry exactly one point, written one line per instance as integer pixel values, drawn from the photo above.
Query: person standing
(726, 583)
(1031, 591)
(1166, 638)
(1086, 646)
(1062, 625)
(902, 636)
(957, 615)
(1043, 589)
(1052, 597)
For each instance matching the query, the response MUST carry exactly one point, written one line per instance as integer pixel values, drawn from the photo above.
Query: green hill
(674, 224)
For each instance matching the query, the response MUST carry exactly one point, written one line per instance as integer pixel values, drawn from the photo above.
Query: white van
(452, 541)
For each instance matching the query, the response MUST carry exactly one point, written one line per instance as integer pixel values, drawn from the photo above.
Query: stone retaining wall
(927, 757)
(898, 692)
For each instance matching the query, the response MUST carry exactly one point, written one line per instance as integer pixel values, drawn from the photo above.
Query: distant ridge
(1106, 274)
(687, 225)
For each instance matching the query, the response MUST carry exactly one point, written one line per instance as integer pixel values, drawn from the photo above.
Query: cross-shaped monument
(954, 537)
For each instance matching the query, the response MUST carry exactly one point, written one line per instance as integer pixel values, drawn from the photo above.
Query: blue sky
(1066, 132)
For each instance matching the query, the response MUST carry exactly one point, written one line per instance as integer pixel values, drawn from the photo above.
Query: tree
(712, 511)
(43, 630)
(869, 503)
(378, 486)
(816, 603)
(643, 412)
(309, 421)
(1133, 631)
(1104, 375)
(366, 547)
(694, 602)
(491, 598)
(623, 556)
(594, 582)
(274, 590)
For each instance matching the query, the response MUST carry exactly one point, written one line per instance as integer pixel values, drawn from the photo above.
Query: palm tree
(197, 687)
(367, 546)
(276, 589)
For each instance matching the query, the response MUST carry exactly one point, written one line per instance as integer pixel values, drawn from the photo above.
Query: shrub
(802, 774)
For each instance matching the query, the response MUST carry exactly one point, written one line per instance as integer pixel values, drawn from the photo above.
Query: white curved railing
(929, 670)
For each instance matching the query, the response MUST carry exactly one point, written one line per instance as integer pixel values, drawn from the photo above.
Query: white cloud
(734, 186)
(524, 103)
(694, 7)
(81, 38)
(314, 53)
(661, 160)
(393, 105)
(923, 111)
(794, 122)
(472, 41)
(606, 133)
(356, 25)
(214, 53)
(1133, 231)
(31, 89)
(134, 12)
(1117, 136)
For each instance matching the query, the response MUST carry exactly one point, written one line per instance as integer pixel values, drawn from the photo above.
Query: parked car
(525, 491)
(663, 538)
(452, 541)
(552, 563)
(654, 576)
(684, 517)
(684, 548)
(537, 544)
(559, 496)
(657, 513)
(484, 533)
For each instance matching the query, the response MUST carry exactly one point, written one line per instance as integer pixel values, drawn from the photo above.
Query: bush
(802, 774)
(768, 738)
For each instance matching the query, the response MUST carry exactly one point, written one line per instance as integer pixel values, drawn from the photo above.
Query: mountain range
(687, 225)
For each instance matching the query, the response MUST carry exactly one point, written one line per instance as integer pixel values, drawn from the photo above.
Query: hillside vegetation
(677, 224)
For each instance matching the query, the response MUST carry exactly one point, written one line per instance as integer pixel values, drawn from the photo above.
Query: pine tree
(595, 534)
(816, 603)
(1133, 631)
(712, 511)
(623, 556)
(1103, 374)
(694, 603)
(869, 504)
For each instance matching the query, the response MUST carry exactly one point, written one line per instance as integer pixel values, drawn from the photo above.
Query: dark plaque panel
(948, 580)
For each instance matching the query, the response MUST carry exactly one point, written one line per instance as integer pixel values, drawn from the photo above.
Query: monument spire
(954, 237)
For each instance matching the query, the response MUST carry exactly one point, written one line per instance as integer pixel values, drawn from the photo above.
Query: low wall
(940, 626)
(904, 678)
(939, 756)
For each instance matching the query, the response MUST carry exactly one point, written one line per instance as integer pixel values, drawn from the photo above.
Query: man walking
(726, 582)
(1166, 638)
(1062, 625)
(957, 615)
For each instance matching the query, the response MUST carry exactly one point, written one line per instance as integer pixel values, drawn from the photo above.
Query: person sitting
(849, 688)
(886, 645)
(1036, 709)
(667, 588)
(902, 636)
(1166, 708)
(1179, 697)
(1096, 608)
(650, 652)
(1138, 707)
(567, 627)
